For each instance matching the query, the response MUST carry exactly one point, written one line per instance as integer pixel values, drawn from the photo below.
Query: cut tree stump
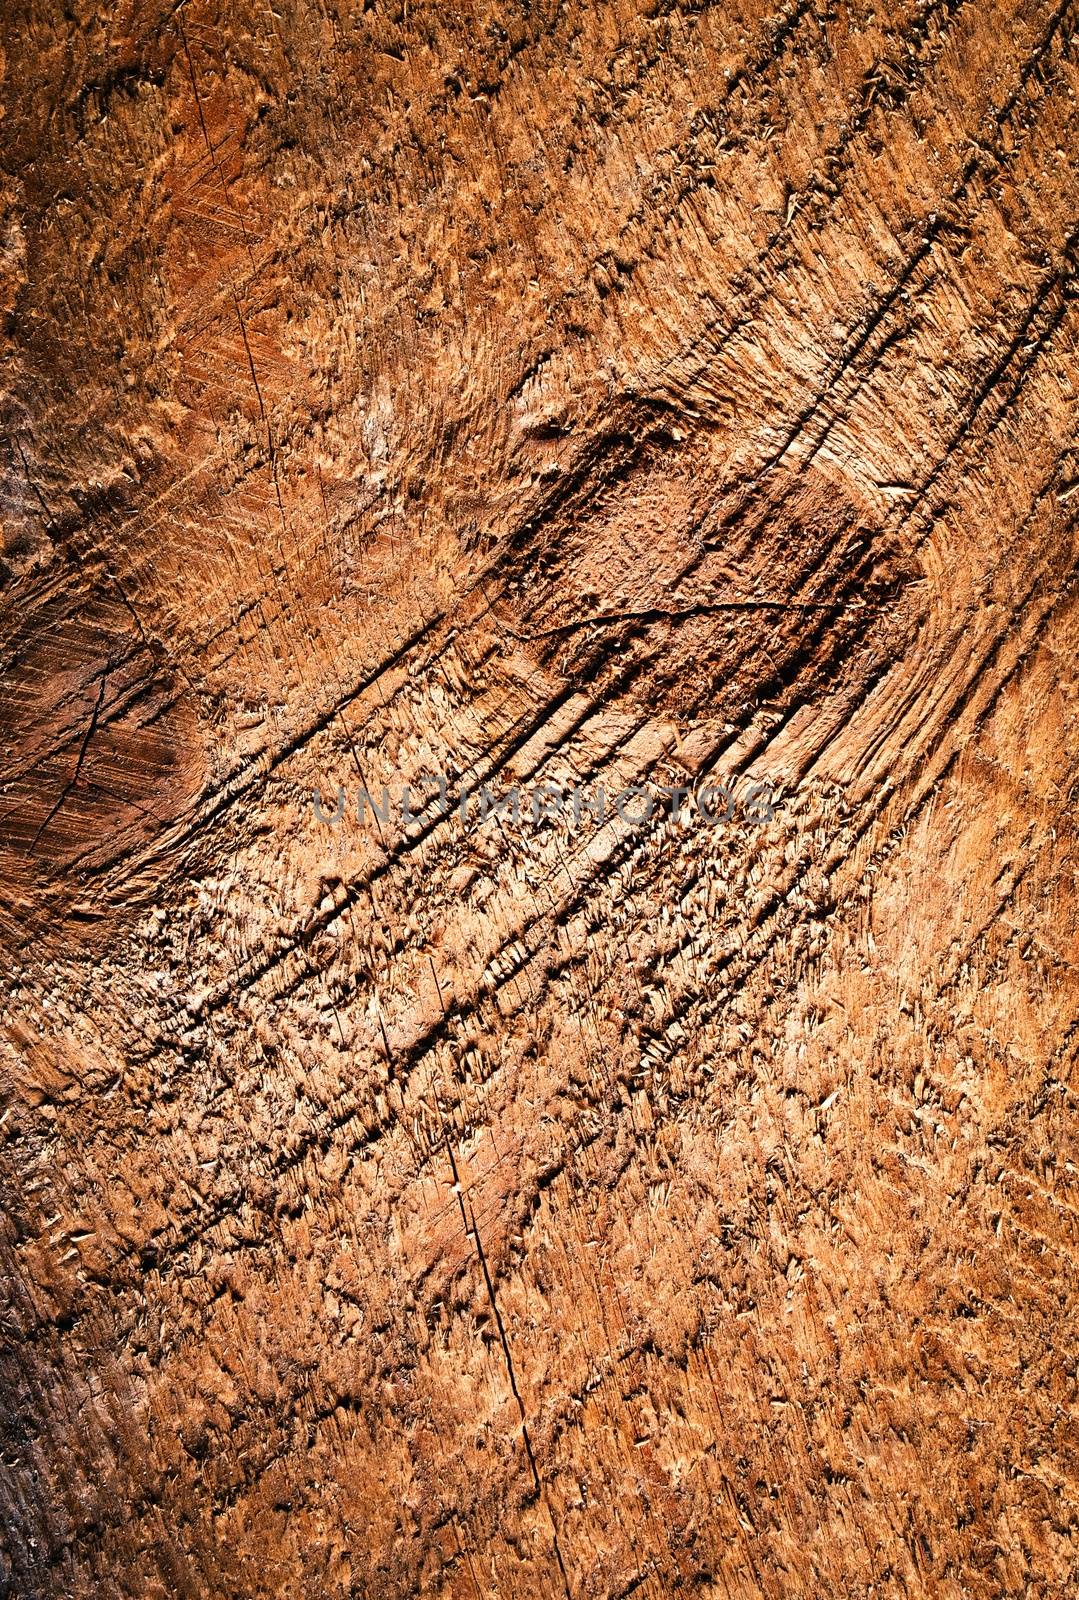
(669, 1197)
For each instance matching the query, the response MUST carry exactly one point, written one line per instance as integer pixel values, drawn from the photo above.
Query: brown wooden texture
(629, 393)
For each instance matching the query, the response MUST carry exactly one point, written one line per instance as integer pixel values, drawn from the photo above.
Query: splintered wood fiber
(539, 749)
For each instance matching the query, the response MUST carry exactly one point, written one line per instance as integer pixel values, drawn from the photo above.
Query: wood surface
(631, 393)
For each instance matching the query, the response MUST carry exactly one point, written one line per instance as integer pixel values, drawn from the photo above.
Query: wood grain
(639, 393)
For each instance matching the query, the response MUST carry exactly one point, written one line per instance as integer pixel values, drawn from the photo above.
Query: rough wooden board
(539, 393)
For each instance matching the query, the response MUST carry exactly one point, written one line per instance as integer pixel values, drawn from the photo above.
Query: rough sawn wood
(624, 394)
